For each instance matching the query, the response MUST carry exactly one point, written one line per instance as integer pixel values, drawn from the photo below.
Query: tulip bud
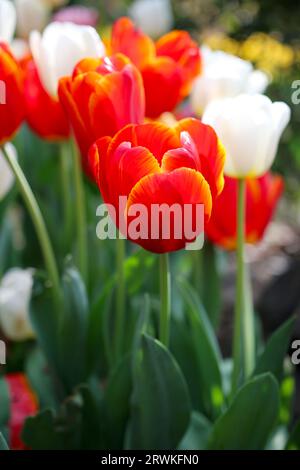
(6, 175)
(155, 17)
(31, 15)
(60, 48)
(7, 20)
(15, 293)
(250, 127)
(223, 76)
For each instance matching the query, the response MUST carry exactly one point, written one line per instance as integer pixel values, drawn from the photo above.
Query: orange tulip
(153, 164)
(23, 403)
(168, 66)
(262, 195)
(11, 94)
(101, 97)
(44, 114)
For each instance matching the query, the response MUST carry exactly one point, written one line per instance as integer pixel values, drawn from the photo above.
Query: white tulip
(8, 20)
(31, 15)
(60, 48)
(224, 75)
(15, 294)
(250, 127)
(6, 175)
(154, 17)
(20, 48)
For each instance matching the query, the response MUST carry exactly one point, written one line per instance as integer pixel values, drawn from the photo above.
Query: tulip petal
(170, 189)
(132, 42)
(210, 150)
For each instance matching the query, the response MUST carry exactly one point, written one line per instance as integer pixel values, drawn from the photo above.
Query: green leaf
(116, 404)
(41, 379)
(250, 418)
(197, 434)
(206, 352)
(293, 442)
(39, 432)
(4, 403)
(271, 359)
(45, 320)
(98, 343)
(73, 335)
(160, 403)
(3, 443)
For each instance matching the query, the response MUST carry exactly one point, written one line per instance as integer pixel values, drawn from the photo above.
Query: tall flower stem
(243, 341)
(38, 222)
(165, 299)
(80, 205)
(65, 159)
(120, 300)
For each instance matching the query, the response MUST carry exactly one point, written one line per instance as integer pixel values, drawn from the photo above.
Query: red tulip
(23, 403)
(44, 114)
(11, 94)
(262, 195)
(168, 66)
(153, 164)
(101, 97)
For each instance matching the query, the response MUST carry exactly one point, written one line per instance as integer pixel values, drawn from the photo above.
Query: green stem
(38, 222)
(80, 216)
(243, 341)
(165, 299)
(120, 302)
(64, 157)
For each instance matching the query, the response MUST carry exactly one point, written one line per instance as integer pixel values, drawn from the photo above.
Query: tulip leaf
(73, 335)
(206, 352)
(3, 443)
(160, 403)
(250, 418)
(45, 320)
(197, 434)
(5, 403)
(116, 404)
(48, 439)
(293, 442)
(271, 359)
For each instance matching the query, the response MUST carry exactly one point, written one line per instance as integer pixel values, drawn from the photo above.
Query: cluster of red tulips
(121, 101)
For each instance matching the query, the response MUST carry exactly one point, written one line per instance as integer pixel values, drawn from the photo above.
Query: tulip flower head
(168, 66)
(8, 20)
(44, 114)
(154, 17)
(152, 165)
(262, 196)
(60, 48)
(224, 76)
(15, 294)
(101, 97)
(6, 175)
(12, 109)
(23, 403)
(250, 127)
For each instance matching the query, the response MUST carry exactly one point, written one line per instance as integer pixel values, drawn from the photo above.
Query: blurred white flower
(154, 17)
(6, 175)
(31, 15)
(60, 48)
(250, 127)
(223, 76)
(20, 48)
(8, 20)
(15, 294)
